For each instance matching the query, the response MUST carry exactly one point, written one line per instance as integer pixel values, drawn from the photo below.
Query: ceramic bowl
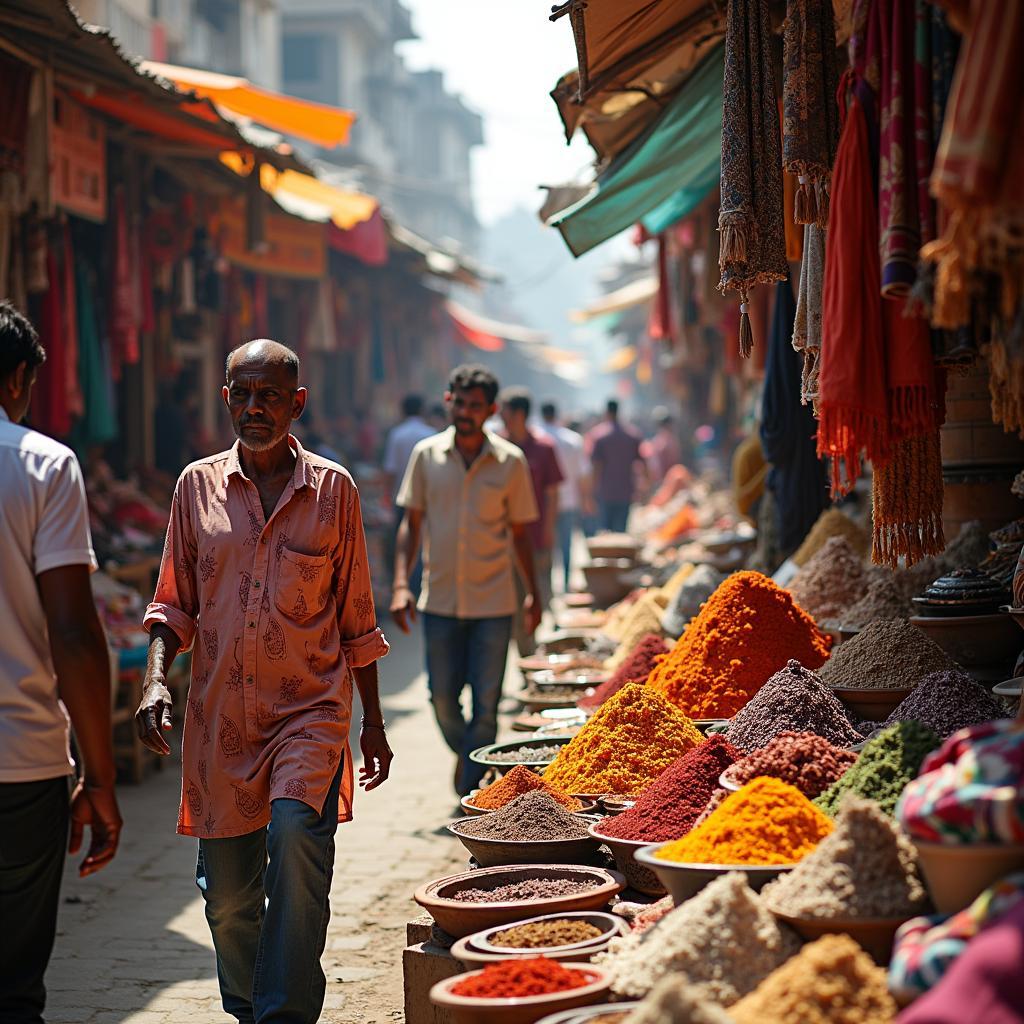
(874, 935)
(473, 958)
(605, 1013)
(522, 1010)
(685, 880)
(984, 645)
(957, 875)
(610, 925)
(490, 853)
(639, 877)
(873, 704)
(460, 918)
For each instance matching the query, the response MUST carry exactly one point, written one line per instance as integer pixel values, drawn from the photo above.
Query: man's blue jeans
(614, 515)
(267, 904)
(461, 653)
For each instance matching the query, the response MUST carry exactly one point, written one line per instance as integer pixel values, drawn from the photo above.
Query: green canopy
(664, 174)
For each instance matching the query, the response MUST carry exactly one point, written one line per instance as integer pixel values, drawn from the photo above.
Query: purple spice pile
(947, 702)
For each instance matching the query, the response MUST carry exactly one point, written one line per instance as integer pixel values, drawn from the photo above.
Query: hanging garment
(810, 132)
(807, 325)
(98, 424)
(50, 411)
(751, 218)
(797, 479)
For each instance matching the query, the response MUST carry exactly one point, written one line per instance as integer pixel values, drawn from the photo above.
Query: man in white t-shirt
(574, 494)
(53, 665)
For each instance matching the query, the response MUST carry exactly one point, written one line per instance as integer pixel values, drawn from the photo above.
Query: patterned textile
(970, 790)
(926, 947)
(807, 326)
(751, 219)
(810, 132)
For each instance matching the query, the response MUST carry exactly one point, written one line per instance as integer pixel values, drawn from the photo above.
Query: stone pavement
(133, 946)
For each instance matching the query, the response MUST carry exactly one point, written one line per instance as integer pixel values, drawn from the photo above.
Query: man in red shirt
(546, 474)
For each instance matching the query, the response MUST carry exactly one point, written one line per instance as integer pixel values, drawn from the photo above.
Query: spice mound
(644, 617)
(830, 981)
(832, 523)
(884, 599)
(635, 669)
(831, 581)
(947, 702)
(514, 979)
(866, 868)
(803, 759)
(533, 817)
(629, 741)
(523, 754)
(747, 630)
(886, 654)
(668, 809)
(886, 764)
(793, 700)
(518, 781)
(766, 822)
(722, 942)
(673, 1001)
(527, 889)
(686, 603)
(563, 931)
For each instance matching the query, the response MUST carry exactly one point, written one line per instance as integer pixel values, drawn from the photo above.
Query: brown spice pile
(884, 599)
(887, 654)
(830, 981)
(832, 523)
(831, 581)
(866, 868)
(563, 931)
(532, 817)
(527, 889)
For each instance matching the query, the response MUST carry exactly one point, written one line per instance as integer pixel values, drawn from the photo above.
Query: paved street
(133, 945)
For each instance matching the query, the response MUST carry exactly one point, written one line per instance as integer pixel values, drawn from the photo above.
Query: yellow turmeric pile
(517, 782)
(643, 618)
(628, 742)
(745, 632)
(767, 822)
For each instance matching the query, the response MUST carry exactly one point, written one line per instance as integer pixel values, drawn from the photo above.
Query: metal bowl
(484, 755)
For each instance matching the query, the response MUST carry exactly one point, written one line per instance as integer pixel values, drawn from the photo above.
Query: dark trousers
(614, 515)
(33, 840)
(267, 899)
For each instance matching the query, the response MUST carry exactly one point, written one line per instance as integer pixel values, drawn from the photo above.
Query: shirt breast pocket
(490, 498)
(303, 584)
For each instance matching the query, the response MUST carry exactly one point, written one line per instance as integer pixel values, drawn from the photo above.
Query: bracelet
(364, 724)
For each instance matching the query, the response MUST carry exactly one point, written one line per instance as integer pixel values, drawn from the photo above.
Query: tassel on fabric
(734, 243)
(805, 208)
(822, 202)
(746, 334)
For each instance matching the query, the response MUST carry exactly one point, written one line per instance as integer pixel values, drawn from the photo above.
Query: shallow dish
(606, 1013)
(490, 853)
(609, 924)
(871, 704)
(484, 755)
(458, 918)
(523, 1010)
(578, 678)
(641, 878)
(875, 935)
(685, 880)
(473, 958)
(957, 875)
(545, 662)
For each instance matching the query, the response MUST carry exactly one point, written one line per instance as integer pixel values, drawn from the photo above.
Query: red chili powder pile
(511, 979)
(674, 801)
(635, 669)
(746, 631)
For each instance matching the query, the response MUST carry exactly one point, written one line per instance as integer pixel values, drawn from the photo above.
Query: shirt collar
(489, 448)
(303, 475)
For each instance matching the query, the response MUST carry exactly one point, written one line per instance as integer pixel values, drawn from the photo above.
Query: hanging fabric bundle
(751, 220)
(810, 112)
(807, 325)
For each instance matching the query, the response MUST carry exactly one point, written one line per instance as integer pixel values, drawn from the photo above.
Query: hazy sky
(503, 57)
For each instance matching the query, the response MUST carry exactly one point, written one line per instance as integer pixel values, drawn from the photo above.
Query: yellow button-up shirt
(468, 514)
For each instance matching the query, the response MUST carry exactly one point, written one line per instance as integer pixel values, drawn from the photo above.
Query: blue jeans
(614, 515)
(267, 904)
(565, 527)
(463, 652)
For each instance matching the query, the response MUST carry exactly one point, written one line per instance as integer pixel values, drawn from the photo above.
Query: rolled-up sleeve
(362, 640)
(175, 604)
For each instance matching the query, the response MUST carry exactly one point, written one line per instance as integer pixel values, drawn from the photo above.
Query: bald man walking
(264, 576)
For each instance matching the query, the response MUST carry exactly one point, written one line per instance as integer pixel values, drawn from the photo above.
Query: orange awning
(490, 335)
(315, 122)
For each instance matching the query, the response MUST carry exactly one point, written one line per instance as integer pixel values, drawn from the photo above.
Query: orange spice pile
(746, 631)
(517, 782)
(767, 822)
(630, 740)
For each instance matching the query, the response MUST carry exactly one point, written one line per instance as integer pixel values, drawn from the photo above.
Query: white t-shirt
(44, 524)
(401, 442)
(572, 457)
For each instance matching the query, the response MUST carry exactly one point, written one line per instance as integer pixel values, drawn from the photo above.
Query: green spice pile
(866, 868)
(887, 654)
(562, 931)
(723, 941)
(533, 817)
(886, 764)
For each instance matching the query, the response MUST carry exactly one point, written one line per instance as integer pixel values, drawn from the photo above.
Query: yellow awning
(624, 358)
(633, 294)
(315, 122)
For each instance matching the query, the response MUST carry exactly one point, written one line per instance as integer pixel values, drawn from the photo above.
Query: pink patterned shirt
(279, 612)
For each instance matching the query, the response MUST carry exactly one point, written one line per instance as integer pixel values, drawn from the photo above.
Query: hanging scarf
(807, 325)
(753, 243)
(853, 408)
(980, 165)
(810, 113)
(797, 479)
